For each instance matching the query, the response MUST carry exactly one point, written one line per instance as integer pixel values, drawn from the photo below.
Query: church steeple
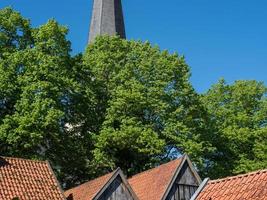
(107, 18)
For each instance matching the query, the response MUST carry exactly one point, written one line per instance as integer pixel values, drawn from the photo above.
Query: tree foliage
(150, 109)
(239, 123)
(38, 97)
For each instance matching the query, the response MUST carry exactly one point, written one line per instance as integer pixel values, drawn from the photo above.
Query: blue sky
(220, 39)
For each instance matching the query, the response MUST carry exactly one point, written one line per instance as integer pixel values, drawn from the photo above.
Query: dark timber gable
(116, 190)
(184, 184)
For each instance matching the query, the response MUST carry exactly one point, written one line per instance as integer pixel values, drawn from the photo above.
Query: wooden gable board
(117, 188)
(184, 175)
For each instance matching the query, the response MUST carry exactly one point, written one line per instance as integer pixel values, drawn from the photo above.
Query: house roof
(251, 186)
(89, 190)
(152, 184)
(27, 179)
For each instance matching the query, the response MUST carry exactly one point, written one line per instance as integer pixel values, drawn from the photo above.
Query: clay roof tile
(152, 184)
(28, 179)
(251, 186)
(148, 185)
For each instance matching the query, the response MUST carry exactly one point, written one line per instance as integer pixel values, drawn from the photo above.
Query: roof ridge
(164, 164)
(237, 176)
(24, 159)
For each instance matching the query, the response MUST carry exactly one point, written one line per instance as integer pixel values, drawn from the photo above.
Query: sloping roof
(252, 186)
(27, 179)
(152, 184)
(89, 190)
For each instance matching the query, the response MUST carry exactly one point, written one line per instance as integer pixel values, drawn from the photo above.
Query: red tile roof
(252, 186)
(27, 179)
(89, 190)
(152, 184)
(148, 185)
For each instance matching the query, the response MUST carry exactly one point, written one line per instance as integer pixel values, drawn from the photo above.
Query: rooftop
(28, 179)
(153, 183)
(251, 186)
(148, 185)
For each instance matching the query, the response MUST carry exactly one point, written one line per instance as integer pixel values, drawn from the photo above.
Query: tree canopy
(151, 110)
(239, 125)
(38, 96)
(121, 104)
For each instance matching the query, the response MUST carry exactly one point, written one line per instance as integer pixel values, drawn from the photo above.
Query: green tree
(239, 118)
(149, 109)
(43, 109)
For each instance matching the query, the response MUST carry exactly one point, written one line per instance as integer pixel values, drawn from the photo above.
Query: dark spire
(107, 18)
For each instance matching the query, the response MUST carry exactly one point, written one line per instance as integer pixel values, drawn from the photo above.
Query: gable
(116, 190)
(185, 184)
(186, 176)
